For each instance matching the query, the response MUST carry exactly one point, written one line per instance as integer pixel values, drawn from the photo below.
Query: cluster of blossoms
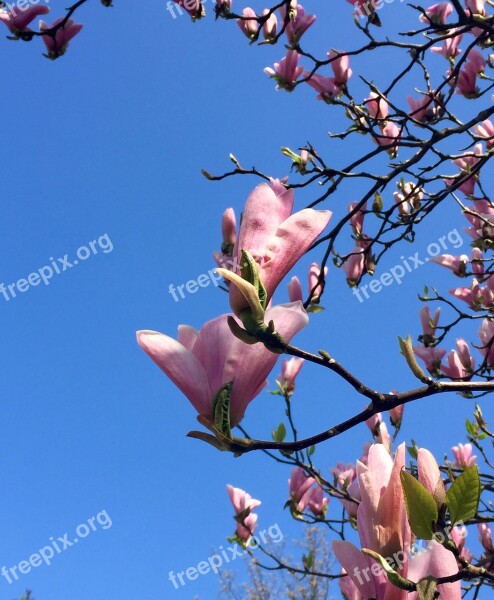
(56, 36)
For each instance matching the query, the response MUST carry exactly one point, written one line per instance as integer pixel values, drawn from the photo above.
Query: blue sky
(106, 145)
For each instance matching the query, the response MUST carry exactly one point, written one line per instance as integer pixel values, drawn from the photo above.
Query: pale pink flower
(270, 26)
(274, 237)
(437, 13)
(485, 129)
(298, 26)
(464, 456)
(460, 364)
(485, 536)
(57, 45)
(486, 334)
(341, 68)
(457, 264)
(290, 368)
(390, 138)
(315, 288)
(449, 49)
(325, 86)
(18, 20)
(243, 505)
(432, 357)
(377, 106)
(287, 71)
(295, 290)
(201, 363)
(476, 7)
(249, 25)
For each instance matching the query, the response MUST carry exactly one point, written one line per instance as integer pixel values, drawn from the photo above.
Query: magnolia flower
(396, 415)
(286, 72)
(377, 106)
(354, 266)
(466, 162)
(486, 334)
(290, 368)
(341, 68)
(449, 49)
(316, 288)
(270, 26)
(248, 25)
(201, 363)
(467, 77)
(476, 7)
(274, 237)
(432, 357)
(326, 87)
(243, 504)
(390, 138)
(429, 323)
(357, 220)
(437, 13)
(57, 45)
(460, 364)
(17, 22)
(426, 109)
(193, 7)
(383, 527)
(464, 456)
(485, 129)
(457, 264)
(304, 495)
(297, 26)
(295, 290)
(485, 537)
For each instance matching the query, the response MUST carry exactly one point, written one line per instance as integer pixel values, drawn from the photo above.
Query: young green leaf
(279, 433)
(462, 498)
(421, 506)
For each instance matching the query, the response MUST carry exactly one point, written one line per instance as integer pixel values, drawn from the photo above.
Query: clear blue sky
(110, 139)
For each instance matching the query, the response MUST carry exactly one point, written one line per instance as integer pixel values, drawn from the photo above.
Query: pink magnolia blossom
(349, 590)
(383, 527)
(315, 288)
(243, 505)
(449, 49)
(295, 290)
(437, 13)
(426, 109)
(430, 475)
(467, 77)
(374, 422)
(325, 86)
(486, 334)
(290, 368)
(341, 68)
(485, 536)
(193, 7)
(460, 364)
(382, 436)
(459, 536)
(482, 220)
(17, 22)
(390, 138)
(396, 415)
(270, 26)
(298, 26)
(201, 363)
(464, 456)
(57, 45)
(457, 264)
(273, 236)
(466, 163)
(408, 198)
(287, 71)
(432, 357)
(365, 8)
(249, 25)
(477, 260)
(476, 7)
(429, 323)
(377, 106)
(475, 296)
(304, 495)
(346, 481)
(357, 220)
(485, 129)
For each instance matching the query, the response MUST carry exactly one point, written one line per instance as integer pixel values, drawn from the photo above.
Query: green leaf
(308, 561)
(427, 588)
(250, 272)
(393, 576)
(421, 506)
(310, 451)
(413, 450)
(221, 410)
(279, 433)
(462, 498)
(470, 428)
